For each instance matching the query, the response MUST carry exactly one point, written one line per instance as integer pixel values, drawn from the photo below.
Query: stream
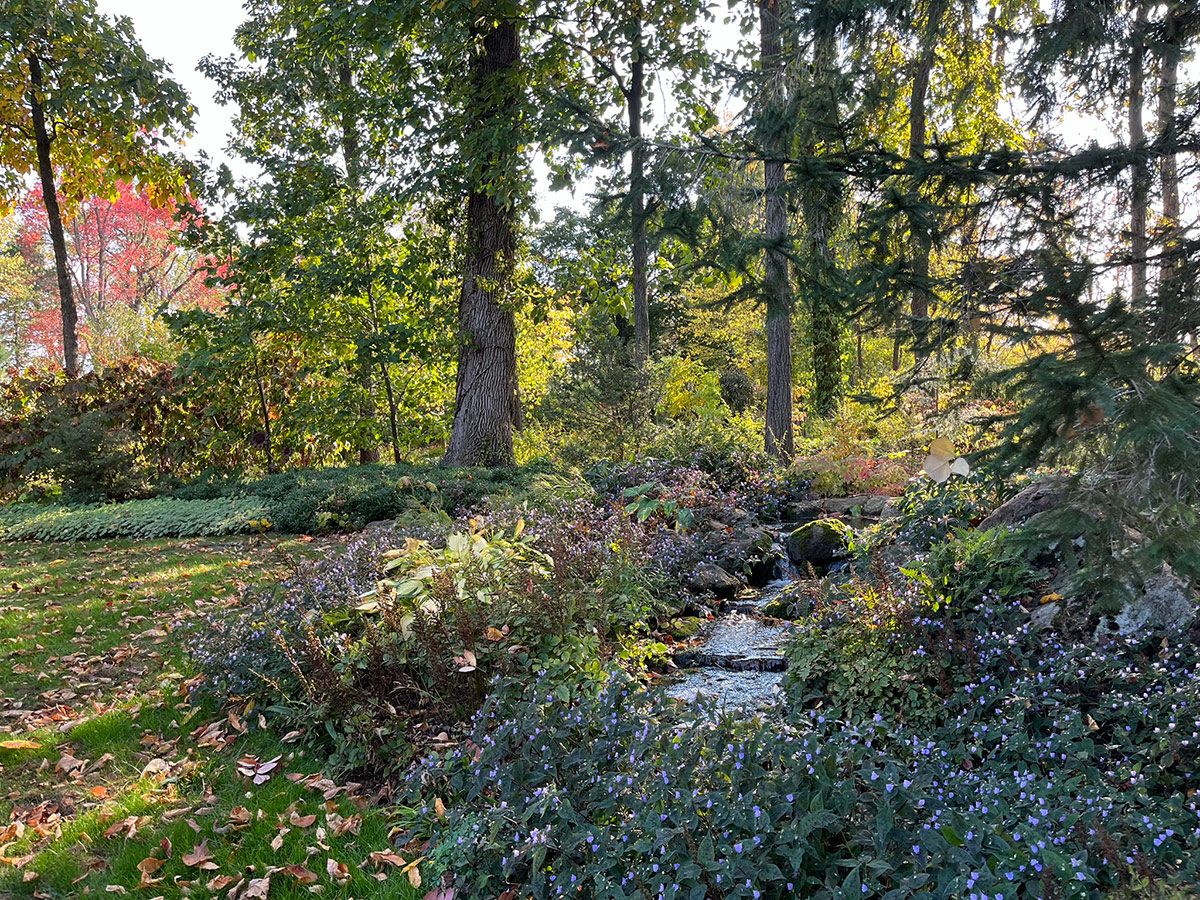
(739, 657)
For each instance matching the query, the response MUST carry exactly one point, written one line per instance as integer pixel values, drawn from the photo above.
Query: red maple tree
(124, 252)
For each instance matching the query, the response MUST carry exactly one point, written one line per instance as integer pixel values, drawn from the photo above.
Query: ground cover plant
(116, 778)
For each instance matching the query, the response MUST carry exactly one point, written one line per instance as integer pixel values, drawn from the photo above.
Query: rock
(1166, 603)
(712, 579)
(750, 551)
(875, 506)
(846, 506)
(684, 628)
(380, 525)
(890, 510)
(1043, 617)
(1037, 498)
(804, 511)
(819, 543)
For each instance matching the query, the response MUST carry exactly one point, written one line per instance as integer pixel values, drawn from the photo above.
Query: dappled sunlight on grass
(113, 781)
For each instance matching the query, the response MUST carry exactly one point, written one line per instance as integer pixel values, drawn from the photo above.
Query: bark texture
(777, 292)
(917, 144)
(486, 404)
(62, 271)
(822, 206)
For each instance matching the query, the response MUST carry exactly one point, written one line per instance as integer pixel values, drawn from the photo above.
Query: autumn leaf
(127, 825)
(300, 873)
(303, 821)
(20, 744)
(200, 857)
(338, 871)
(257, 889)
(390, 857)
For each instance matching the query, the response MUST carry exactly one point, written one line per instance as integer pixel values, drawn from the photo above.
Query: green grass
(92, 647)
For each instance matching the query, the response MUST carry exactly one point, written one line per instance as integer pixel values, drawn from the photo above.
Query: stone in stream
(738, 643)
(819, 543)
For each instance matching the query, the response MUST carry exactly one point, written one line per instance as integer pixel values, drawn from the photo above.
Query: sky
(181, 33)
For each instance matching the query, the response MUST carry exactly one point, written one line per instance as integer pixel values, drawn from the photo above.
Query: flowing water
(740, 660)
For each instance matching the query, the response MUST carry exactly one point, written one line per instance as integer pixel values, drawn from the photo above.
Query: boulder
(1037, 498)
(749, 550)
(1165, 603)
(712, 579)
(819, 543)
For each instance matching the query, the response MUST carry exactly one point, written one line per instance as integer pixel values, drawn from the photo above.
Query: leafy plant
(643, 505)
(163, 517)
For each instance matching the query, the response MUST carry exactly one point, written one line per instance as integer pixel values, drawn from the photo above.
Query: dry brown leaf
(303, 821)
(390, 857)
(439, 807)
(300, 873)
(127, 825)
(220, 882)
(338, 871)
(257, 889)
(200, 857)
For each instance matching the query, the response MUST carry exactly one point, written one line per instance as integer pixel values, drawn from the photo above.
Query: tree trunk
(1140, 177)
(367, 452)
(778, 439)
(392, 417)
(916, 152)
(66, 296)
(637, 199)
(485, 396)
(1171, 314)
(821, 210)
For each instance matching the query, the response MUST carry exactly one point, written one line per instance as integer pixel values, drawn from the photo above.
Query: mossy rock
(684, 628)
(819, 543)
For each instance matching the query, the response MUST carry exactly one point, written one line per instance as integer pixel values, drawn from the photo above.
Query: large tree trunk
(367, 452)
(916, 151)
(486, 404)
(637, 198)
(777, 291)
(1172, 317)
(822, 206)
(66, 296)
(1140, 177)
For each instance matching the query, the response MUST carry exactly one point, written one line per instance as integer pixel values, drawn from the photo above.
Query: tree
(486, 404)
(82, 101)
(126, 266)
(775, 137)
(624, 49)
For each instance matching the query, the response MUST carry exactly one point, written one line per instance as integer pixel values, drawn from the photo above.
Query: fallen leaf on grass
(448, 894)
(277, 841)
(392, 858)
(220, 882)
(257, 889)
(115, 889)
(127, 825)
(303, 821)
(200, 857)
(338, 871)
(300, 873)
(20, 745)
(255, 769)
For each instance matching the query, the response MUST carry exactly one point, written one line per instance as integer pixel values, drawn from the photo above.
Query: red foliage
(122, 252)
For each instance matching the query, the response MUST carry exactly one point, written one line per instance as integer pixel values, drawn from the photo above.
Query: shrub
(737, 389)
(832, 475)
(929, 511)
(314, 501)
(1058, 771)
(135, 519)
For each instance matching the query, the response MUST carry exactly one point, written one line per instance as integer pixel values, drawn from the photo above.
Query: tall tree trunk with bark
(917, 126)
(821, 209)
(367, 453)
(1140, 176)
(485, 397)
(1172, 317)
(779, 438)
(66, 295)
(637, 199)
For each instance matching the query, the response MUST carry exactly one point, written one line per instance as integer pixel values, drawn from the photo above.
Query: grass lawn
(113, 782)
